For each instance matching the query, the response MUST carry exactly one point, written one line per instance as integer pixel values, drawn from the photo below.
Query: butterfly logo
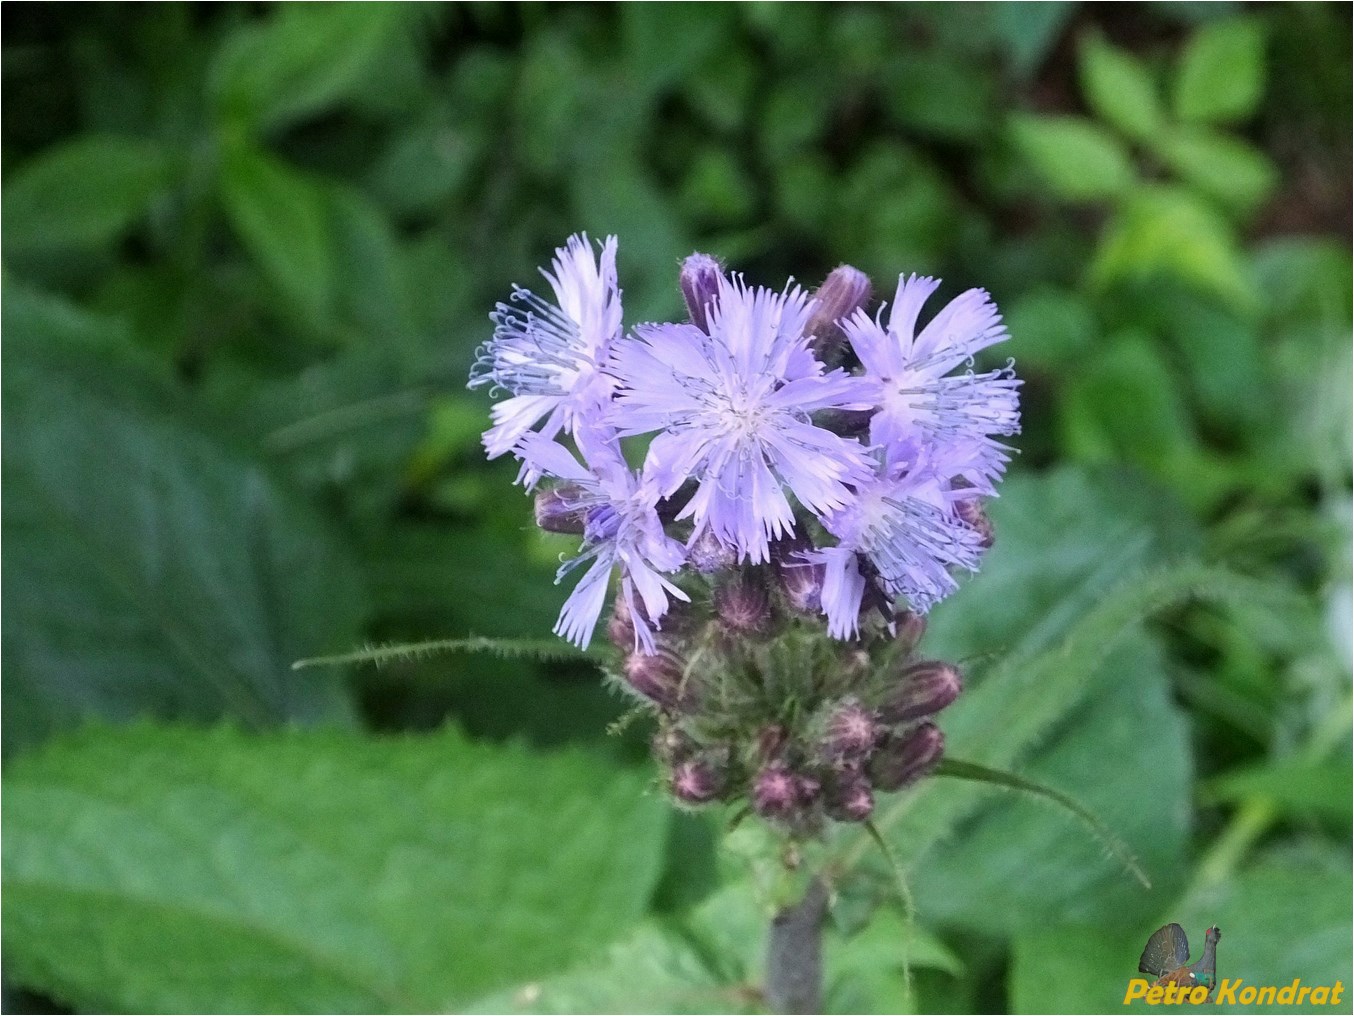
(1166, 957)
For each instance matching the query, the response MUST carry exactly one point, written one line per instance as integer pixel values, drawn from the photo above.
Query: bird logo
(1166, 957)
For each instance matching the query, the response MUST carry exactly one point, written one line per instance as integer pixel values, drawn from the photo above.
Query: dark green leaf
(83, 192)
(301, 60)
(283, 218)
(153, 567)
(313, 872)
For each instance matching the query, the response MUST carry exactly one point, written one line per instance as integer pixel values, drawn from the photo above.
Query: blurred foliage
(248, 254)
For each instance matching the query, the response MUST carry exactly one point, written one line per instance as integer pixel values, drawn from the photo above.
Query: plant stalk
(794, 956)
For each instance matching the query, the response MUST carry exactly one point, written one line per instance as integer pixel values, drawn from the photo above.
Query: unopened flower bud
(699, 280)
(696, 781)
(800, 581)
(709, 554)
(743, 606)
(777, 792)
(906, 759)
(660, 678)
(975, 515)
(849, 797)
(842, 293)
(923, 689)
(851, 734)
(557, 510)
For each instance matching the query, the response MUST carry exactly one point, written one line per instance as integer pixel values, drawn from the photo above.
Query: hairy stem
(794, 956)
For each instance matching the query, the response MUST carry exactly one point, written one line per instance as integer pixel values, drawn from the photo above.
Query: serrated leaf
(312, 872)
(1022, 698)
(1235, 173)
(1119, 88)
(153, 567)
(1021, 864)
(303, 59)
(1222, 72)
(83, 192)
(1076, 158)
(283, 219)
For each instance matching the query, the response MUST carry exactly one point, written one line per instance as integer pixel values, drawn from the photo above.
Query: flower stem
(794, 957)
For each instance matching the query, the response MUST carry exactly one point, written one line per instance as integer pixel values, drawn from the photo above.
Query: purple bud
(708, 554)
(660, 678)
(906, 759)
(743, 606)
(699, 280)
(800, 582)
(851, 734)
(973, 513)
(776, 791)
(923, 689)
(842, 293)
(557, 510)
(850, 798)
(696, 781)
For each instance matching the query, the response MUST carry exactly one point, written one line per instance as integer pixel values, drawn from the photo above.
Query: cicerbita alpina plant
(811, 485)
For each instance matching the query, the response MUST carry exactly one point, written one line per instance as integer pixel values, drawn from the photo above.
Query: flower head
(903, 523)
(620, 527)
(548, 357)
(733, 406)
(919, 402)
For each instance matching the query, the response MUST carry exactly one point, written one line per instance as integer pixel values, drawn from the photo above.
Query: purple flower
(918, 401)
(549, 356)
(620, 527)
(904, 524)
(733, 406)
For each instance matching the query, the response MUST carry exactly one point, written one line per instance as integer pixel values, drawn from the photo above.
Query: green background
(248, 253)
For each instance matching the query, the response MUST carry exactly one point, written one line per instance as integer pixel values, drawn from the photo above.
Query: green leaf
(706, 963)
(1017, 703)
(82, 193)
(1077, 159)
(1283, 917)
(959, 769)
(302, 60)
(1166, 232)
(1125, 405)
(1294, 786)
(153, 567)
(1222, 72)
(1235, 173)
(312, 872)
(1125, 756)
(1052, 328)
(1119, 88)
(283, 219)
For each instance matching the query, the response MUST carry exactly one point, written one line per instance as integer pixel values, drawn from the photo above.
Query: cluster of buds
(798, 744)
(813, 479)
